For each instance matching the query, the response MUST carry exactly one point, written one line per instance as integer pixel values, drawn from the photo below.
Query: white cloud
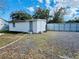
(71, 12)
(37, 6)
(41, 1)
(48, 2)
(31, 9)
(73, 4)
(59, 1)
(48, 6)
(51, 11)
(54, 1)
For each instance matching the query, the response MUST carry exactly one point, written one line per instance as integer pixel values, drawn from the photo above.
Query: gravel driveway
(65, 43)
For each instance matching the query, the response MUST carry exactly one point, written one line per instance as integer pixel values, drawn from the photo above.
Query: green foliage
(58, 16)
(70, 21)
(41, 14)
(20, 15)
(75, 20)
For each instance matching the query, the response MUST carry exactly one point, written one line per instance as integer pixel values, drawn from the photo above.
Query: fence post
(70, 27)
(59, 26)
(64, 27)
(54, 26)
(76, 27)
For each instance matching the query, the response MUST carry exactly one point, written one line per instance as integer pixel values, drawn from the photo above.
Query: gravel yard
(6, 38)
(50, 45)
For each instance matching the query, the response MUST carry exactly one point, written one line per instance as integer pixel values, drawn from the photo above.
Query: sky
(9, 6)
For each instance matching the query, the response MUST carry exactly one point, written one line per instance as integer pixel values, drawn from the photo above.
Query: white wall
(35, 27)
(3, 25)
(63, 26)
(38, 26)
(20, 27)
(41, 26)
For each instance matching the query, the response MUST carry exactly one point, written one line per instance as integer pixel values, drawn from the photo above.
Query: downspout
(46, 23)
(13, 23)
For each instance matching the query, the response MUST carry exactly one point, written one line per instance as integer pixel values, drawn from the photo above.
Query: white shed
(34, 26)
(3, 24)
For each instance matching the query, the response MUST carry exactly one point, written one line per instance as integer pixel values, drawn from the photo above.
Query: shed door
(31, 26)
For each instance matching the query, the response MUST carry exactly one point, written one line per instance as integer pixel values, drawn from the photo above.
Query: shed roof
(3, 19)
(26, 20)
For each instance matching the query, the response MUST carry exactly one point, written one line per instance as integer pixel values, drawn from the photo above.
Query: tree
(41, 14)
(58, 16)
(75, 20)
(20, 15)
(70, 21)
